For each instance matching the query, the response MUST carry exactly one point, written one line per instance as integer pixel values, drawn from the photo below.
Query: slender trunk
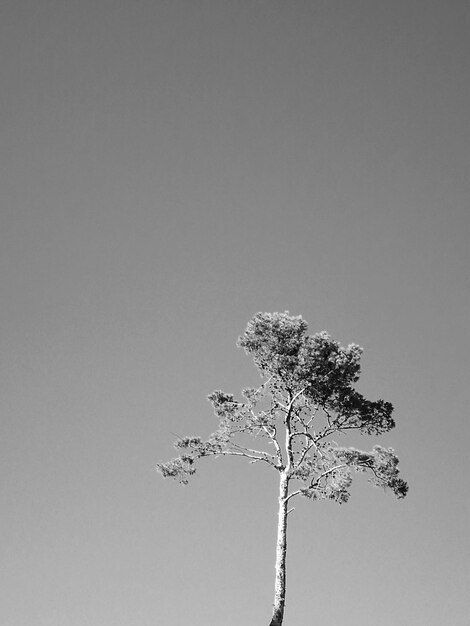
(281, 551)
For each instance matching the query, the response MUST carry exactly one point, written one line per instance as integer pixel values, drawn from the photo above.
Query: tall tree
(307, 395)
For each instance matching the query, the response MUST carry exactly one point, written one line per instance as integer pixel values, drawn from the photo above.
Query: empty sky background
(169, 168)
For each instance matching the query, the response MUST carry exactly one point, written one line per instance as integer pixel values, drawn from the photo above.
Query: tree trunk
(281, 551)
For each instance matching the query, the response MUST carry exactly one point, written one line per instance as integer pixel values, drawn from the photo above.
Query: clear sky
(167, 169)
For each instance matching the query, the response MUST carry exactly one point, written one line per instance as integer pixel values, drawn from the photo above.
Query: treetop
(307, 392)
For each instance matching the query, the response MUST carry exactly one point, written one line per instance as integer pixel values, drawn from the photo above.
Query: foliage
(307, 394)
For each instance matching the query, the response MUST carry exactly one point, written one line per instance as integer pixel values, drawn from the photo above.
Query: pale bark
(281, 551)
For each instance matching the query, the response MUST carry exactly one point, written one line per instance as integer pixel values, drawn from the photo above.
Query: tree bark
(281, 551)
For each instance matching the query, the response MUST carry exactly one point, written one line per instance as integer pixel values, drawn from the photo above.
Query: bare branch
(314, 412)
(253, 454)
(293, 494)
(304, 454)
(313, 443)
(328, 416)
(316, 481)
(288, 441)
(273, 437)
(248, 456)
(294, 398)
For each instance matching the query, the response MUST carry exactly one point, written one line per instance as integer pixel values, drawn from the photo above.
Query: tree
(307, 395)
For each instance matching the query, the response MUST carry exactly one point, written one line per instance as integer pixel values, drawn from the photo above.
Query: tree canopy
(308, 386)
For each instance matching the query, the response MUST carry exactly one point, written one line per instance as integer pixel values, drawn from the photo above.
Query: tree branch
(304, 454)
(308, 447)
(250, 454)
(273, 438)
(288, 444)
(315, 482)
(294, 398)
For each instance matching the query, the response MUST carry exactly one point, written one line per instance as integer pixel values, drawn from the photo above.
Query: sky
(168, 169)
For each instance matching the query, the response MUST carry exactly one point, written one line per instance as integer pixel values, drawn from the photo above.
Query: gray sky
(167, 170)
